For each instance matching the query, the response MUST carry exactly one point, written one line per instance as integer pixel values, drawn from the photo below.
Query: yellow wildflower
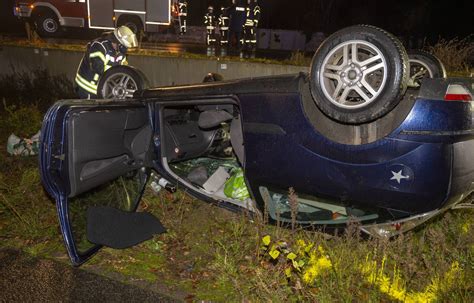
(316, 267)
(266, 240)
(465, 227)
(394, 288)
(274, 252)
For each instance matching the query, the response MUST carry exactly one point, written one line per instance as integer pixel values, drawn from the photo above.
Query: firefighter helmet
(126, 36)
(210, 9)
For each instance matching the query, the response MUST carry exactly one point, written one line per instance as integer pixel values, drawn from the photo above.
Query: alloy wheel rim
(119, 86)
(418, 71)
(353, 74)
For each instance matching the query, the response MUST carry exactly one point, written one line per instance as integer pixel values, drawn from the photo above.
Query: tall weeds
(37, 88)
(457, 55)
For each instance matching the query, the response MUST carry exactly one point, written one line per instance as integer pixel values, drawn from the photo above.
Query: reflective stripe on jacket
(209, 20)
(99, 57)
(182, 8)
(256, 14)
(224, 21)
(252, 15)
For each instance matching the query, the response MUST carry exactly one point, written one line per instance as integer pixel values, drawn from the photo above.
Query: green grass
(211, 254)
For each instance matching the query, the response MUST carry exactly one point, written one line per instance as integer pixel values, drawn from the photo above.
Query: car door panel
(94, 155)
(104, 145)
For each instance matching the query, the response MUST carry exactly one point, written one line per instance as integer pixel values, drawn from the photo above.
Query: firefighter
(224, 26)
(101, 54)
(251, 22)
(237, 20)
(256, 19)
(182, 15)
(209, 22)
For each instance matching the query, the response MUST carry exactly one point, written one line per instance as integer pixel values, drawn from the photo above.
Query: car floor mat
(115, 228)
(198, 175)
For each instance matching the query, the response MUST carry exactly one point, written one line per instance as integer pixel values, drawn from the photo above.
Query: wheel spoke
(333, 67)
(130, 93)
(111, 82)
(332, 76)
(123, 80)
(370, 60)
(354, 52)
(368, 87)
(373, 68)
(132, 85)
(362, 93)
(345, 54)
(337, 90)
(108, 89)
(344, 95)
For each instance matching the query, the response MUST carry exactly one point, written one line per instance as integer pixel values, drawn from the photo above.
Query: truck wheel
(47, 24)
(359, 74)
(424, 65)
(121, 82)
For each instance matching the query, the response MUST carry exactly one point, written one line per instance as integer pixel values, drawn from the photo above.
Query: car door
(94, 161)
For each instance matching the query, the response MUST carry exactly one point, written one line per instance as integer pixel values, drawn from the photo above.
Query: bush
(36, 88)
(457, 55)
(23, 122)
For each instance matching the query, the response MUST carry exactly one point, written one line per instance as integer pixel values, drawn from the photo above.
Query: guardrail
(161, 71)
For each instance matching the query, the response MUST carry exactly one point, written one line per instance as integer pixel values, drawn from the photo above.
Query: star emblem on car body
(398, 176)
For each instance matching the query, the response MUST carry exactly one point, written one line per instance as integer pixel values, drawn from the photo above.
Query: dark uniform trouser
(235, 36)
(210, 39)
(182, 23)
(249, 38)
(224, 35)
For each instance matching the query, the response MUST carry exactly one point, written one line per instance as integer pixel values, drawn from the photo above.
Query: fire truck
(50, 16)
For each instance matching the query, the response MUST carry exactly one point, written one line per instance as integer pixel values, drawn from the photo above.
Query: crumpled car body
(389, 175)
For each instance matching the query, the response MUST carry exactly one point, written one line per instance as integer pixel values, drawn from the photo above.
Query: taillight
(457, 92)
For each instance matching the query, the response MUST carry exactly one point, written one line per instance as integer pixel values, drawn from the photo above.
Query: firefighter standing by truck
(101, 54)
(237, 20)
(209, 22)
(224, 26)
(182, 15)
(252, 17)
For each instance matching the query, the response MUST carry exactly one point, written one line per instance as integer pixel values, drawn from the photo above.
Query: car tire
(121, 82)
(424, 65)
(359, 74)
(47, 24)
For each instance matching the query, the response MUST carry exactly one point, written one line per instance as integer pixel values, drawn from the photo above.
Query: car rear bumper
(462, 185)
(462, 179)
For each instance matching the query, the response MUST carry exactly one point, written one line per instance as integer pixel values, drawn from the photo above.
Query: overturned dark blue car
(352, 140)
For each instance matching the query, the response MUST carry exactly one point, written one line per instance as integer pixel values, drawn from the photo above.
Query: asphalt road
(27, 279)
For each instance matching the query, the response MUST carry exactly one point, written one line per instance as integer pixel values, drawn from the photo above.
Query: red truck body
(50, 15)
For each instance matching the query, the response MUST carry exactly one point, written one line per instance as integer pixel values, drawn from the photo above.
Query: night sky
(429, 19)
